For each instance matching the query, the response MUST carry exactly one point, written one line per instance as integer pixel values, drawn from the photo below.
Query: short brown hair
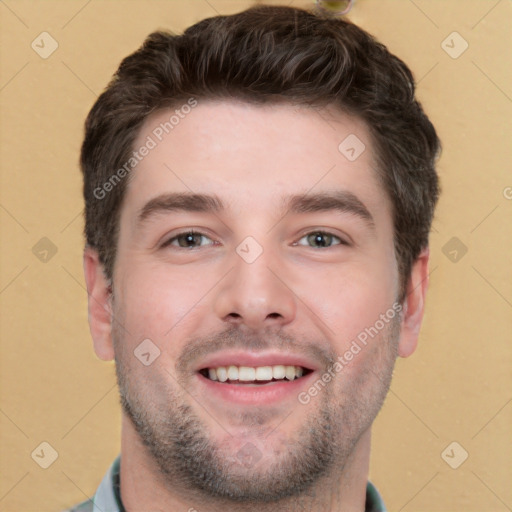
(268, 55)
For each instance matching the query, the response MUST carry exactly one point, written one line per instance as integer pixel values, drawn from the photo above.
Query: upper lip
(255, 359)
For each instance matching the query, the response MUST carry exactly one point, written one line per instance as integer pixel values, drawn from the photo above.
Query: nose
(255, 295)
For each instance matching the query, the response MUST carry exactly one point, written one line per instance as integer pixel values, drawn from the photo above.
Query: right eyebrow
(184, 201)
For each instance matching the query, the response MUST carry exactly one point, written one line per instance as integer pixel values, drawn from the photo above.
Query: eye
(321, 239)
(187, 240)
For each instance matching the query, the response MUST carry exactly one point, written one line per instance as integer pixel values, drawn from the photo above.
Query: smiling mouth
(257, 376)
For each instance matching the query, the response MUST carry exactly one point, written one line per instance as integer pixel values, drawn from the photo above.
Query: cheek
(158, 303)
(348, 299)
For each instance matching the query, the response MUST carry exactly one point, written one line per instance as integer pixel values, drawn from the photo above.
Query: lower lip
(259, 394)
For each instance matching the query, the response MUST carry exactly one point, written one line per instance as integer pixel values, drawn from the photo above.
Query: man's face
(294, 262)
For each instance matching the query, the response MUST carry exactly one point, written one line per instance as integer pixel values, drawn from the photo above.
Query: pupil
(320, 239)
(189, 239)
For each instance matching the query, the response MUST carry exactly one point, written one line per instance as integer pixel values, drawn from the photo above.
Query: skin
(292, 297)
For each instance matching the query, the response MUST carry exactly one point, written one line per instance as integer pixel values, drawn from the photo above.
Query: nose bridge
(252, 294)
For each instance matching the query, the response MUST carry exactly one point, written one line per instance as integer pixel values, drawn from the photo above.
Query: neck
(143, 486)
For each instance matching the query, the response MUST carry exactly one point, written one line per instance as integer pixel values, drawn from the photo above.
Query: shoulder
(374, 501)
(85, 506)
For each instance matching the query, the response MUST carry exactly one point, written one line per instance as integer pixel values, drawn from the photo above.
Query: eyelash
(324, 233)
(198, 233)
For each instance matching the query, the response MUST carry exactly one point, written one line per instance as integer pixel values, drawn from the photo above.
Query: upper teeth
(247, 373)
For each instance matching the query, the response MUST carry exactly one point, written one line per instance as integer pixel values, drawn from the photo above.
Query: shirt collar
(108, 495)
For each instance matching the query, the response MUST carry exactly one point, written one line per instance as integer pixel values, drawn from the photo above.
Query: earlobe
(99, 306)
(414, 305)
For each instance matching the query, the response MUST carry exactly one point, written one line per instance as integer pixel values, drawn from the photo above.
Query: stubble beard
(189, 459)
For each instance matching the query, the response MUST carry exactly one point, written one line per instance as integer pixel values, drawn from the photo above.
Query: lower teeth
(259, 382)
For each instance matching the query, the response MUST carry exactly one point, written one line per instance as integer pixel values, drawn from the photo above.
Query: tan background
(457, 387)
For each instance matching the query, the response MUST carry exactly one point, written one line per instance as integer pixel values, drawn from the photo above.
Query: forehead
(253, 155)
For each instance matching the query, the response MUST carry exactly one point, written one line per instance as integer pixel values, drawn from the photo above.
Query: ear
(414, 304)
(99, 305)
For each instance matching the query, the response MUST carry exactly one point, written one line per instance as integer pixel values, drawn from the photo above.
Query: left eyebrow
(340, 200)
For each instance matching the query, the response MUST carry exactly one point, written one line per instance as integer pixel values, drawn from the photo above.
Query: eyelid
(192, 231)
(344, 239)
